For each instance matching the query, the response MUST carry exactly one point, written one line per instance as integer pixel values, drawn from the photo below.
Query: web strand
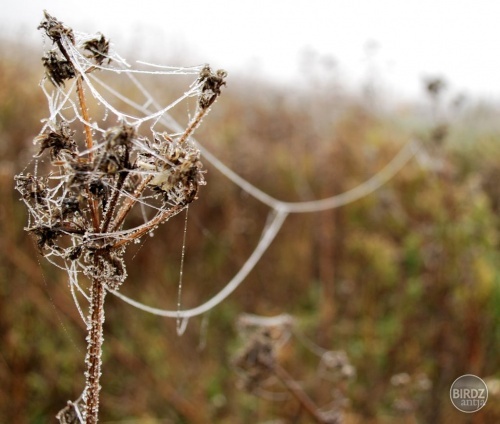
(268, 236)
(181, 274)
(63, 105)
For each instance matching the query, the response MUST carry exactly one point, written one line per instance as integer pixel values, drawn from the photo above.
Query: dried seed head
(120, 136)
(116, 154)
(435, 86)
(57, 69)
(212, 84)
(257, 360)
(79, 173)
(98, 48)
(46, 236)
(98, 189)
(33, 189)
(70, 205)
(55, 29)
(179, 175)
(57, 141)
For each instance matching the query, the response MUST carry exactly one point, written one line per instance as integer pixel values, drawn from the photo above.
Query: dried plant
(259, 368)
(81, 190)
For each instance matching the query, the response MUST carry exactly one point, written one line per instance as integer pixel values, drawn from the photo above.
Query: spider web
(137, 106)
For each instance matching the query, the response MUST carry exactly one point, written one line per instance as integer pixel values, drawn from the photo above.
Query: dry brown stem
(296, 390)
(94, 351)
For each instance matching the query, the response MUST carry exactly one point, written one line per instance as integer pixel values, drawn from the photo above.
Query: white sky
(457, 39)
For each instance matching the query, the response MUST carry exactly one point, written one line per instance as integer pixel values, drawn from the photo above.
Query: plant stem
(193, 125)
(94, 207)
(94, 351)
(161, 217)
(129, 202)
(299, 394)
(112, 205)
(85, 115)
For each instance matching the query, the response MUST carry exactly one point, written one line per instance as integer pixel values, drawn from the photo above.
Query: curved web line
(406, 153)
(393, 167)
(282, 209)
(362, 190)
(279, 209)
(267, 237)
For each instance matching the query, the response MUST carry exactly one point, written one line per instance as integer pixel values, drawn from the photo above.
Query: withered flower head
(257, 360)
(57, 141)
(98, 48)
(120, 136)
(33, 189)
(58, 69)
(212, 84)
(178, 175)
(46, 236)
(435, 86)
(55, 29)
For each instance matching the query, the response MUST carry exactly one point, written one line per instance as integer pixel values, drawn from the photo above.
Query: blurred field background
(404, 281)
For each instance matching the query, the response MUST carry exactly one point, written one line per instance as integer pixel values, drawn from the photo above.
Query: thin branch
(114, 200)
(94, 205)
(299, 394)
(85, 115)
(163, 216)
(195, 123)
(129, 203)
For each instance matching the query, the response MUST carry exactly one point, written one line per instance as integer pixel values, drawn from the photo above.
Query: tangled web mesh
(102, 154)
(133, 155)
